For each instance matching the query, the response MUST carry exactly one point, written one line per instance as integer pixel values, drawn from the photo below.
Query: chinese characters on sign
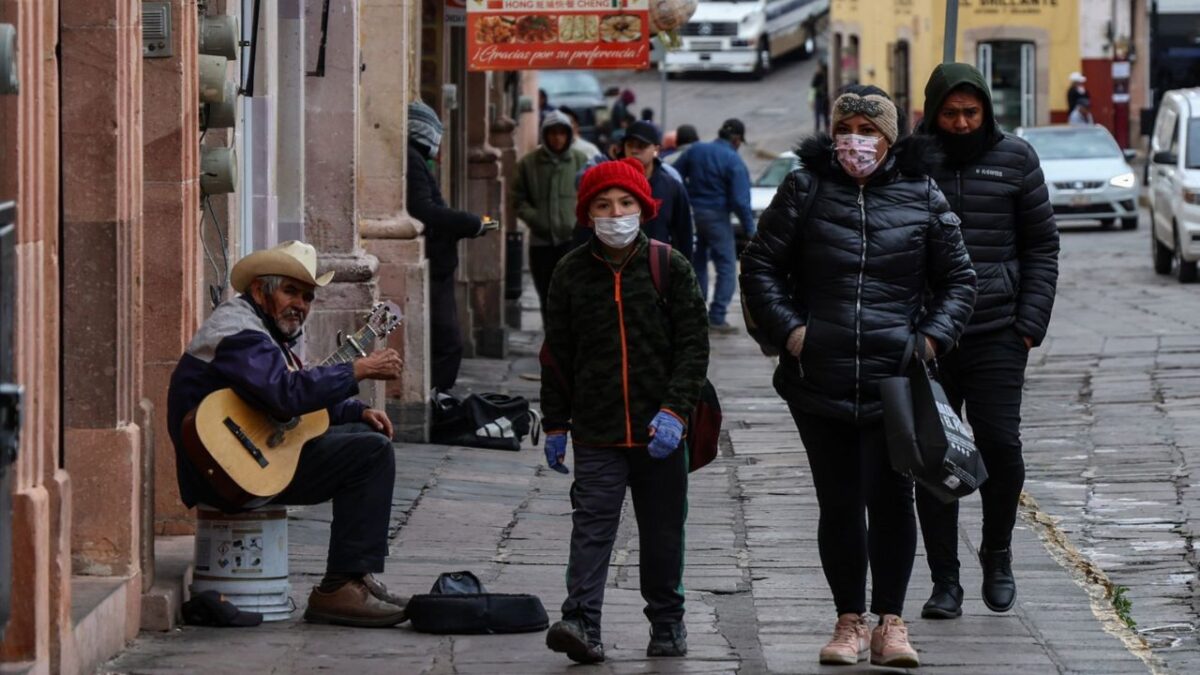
(537, 34)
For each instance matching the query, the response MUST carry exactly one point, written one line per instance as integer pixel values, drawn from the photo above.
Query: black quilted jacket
(1007, 220)
(866, 270)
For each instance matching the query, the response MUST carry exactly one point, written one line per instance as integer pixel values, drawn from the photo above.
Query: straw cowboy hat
(294, 259)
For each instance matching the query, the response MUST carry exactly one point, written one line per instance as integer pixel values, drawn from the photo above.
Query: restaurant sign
(557, 34)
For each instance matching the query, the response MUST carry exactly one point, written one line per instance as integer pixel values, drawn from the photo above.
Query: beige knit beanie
(879, 109)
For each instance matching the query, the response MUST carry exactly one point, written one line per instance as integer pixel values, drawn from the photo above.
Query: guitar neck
(354, 347)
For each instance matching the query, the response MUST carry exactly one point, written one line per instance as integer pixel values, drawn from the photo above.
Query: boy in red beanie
(622, 367)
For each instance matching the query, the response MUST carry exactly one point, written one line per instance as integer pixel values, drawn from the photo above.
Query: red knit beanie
(627, 174)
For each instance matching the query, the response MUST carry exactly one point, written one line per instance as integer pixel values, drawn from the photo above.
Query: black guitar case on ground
(459, 605)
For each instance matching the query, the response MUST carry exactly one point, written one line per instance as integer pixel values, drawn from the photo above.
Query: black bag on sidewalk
(925, 438)
(459, 605)
(494, 421)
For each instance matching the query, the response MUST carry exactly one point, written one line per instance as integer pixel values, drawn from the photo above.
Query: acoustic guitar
(249, 456)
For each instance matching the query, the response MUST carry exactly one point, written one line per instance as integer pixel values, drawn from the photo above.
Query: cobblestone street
(1107, 443)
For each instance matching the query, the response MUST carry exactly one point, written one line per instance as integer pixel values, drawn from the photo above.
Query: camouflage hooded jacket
(615, 352)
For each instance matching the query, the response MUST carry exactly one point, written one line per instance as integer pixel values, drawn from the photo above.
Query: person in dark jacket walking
(673, 224)
(444, 227)
(875, 267)
(543, 193)
(622, 368)
(994, 183)
(718, 184)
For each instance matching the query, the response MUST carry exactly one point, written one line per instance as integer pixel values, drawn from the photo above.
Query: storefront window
(1010, 69)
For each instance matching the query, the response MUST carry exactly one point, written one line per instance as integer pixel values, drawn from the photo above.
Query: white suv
(1175, 184)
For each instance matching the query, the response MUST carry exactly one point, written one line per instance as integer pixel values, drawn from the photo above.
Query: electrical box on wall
(221, 115)
(219, 36)
(156, 30)
(9, 84)
(212, 78)
(218, 170)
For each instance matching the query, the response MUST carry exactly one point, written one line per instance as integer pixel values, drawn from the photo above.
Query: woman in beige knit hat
(843, 285)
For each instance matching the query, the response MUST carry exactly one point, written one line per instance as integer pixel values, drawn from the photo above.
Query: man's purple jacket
(239, 347)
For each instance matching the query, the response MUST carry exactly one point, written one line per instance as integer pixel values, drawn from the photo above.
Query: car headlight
(1125, 180)
(1191, 196)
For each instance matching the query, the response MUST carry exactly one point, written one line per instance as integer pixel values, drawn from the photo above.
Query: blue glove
(666, 430)
(556, 450)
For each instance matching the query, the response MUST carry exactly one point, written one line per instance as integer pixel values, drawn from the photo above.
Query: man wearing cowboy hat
(246, 345)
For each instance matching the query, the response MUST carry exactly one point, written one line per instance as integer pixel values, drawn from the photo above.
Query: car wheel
(762, 62)
(1159, 251)
(1129, 223)
(1184, 270)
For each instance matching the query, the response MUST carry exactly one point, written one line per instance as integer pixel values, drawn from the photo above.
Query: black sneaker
(571, 638)
(999, 586)
(945, 602)
(667, 639)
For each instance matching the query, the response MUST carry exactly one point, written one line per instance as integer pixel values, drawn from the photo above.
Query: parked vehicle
(580, 91)
(1087, 173)
(745, 37)
(1175, 184)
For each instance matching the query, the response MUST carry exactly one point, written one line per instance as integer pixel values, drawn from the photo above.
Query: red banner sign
(558, 34)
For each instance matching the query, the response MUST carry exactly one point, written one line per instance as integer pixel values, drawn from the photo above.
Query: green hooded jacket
(543, 188)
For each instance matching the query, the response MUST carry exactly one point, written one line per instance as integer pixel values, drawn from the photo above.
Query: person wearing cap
(718, 184)
(247, 345)
(543, 192)
(875, 270)
(673, 224)
(444, 228)
(1076, 90)
(622, 368)
(995, 184)
(1081, 116)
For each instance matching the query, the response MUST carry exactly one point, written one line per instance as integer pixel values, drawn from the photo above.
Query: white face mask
(618, 232)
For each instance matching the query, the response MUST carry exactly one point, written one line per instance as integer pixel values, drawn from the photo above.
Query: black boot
(999, 586)
(571, 637)
(667, 639)
(945, 602)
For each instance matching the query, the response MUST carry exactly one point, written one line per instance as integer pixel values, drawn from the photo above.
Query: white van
(744, 36)
(1175, 184)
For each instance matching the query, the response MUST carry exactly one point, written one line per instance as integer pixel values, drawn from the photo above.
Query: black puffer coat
(1007, 220)
(866, 269)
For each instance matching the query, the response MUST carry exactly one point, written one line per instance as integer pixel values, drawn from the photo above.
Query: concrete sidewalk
(757, 599)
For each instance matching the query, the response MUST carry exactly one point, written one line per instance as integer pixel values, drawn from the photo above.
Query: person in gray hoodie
(543, 191)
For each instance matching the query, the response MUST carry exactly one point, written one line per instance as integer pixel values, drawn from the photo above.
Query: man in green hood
(994, 183)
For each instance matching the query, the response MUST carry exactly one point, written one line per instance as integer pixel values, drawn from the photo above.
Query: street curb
(1088, 576)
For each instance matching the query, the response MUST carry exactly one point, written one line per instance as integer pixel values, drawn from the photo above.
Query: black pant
(987, 372)
(542, 260)
(660, 504)
(356, 468)
(445, 338)
(851, 471)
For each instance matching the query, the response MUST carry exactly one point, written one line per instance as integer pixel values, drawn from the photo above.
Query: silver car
(1087, 173)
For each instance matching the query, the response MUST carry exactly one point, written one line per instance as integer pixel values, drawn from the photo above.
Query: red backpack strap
(660, 268)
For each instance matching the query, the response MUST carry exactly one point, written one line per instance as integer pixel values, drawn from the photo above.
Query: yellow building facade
(1027, 50)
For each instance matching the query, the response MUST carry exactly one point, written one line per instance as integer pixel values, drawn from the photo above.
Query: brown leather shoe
(380, 591)
(352, 605)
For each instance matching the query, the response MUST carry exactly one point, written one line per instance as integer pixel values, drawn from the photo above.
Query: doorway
(900, 84)
(1010, 68)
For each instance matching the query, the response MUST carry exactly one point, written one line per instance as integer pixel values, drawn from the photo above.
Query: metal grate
(709, 29)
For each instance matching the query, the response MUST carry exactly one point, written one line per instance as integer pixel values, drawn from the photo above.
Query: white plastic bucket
(244, 556)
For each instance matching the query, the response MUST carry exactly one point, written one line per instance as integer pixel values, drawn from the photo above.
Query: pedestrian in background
(995, 182)
(543, 193)
(444, 227)
(818, 95)
(718, 184)
(1081, 116)
(685, 136)
(578, 142)
(622, 368)
(875, 266)
(1077, 90)
(620, 116)
(673, 223)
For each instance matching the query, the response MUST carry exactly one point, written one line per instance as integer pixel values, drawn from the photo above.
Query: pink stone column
(482, 269)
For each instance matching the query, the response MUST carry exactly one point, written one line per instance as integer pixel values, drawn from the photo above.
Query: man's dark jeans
(542, 261)
(355, 467)
(715, 241)
(659, 489)
(987, 373)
